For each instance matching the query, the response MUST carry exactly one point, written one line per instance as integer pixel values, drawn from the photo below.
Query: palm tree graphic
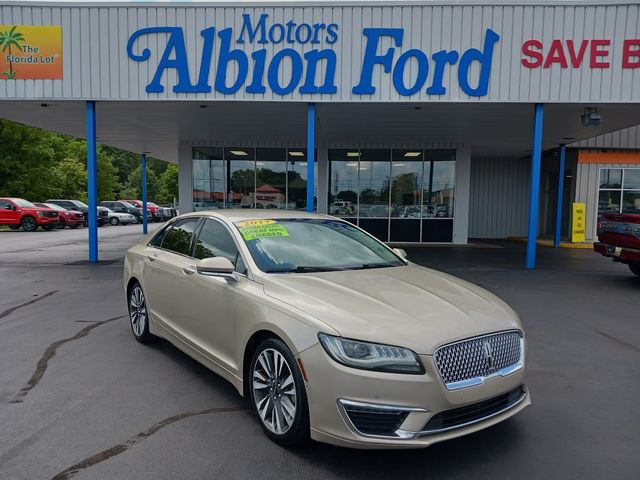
(7, 39)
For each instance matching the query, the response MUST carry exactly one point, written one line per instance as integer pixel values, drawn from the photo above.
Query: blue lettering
(398, 72)
(256, 86)
(175, 45)
(313, 57)
(251, 34)
(307, 37)
(276, 33)
(205, 63)
(332, 33)
(441, 59)
(485, 57)
(226, 55)
(371, 58)
(274, 69)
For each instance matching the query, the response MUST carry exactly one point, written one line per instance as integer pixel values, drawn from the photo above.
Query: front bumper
(332, 386)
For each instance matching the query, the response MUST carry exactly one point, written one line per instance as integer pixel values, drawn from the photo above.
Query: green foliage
(37, 165)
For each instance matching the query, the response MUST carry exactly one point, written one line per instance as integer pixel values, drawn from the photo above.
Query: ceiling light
(239, 153)
(413, 154)
(296, 154)
(260, 163)
(353, 154)
(352, 164)
(399, 164)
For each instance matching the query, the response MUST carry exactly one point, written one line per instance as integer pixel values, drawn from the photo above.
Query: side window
(215, 240)
(157, 240)
(179, 238)
(4, 205)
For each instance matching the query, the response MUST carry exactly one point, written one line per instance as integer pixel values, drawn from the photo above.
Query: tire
(28, 224)
(114, 221)
(62, 224)
(14, 227)
(73, 227)
(635, 268)
(138, 314)
(268, 391)
(48, 228)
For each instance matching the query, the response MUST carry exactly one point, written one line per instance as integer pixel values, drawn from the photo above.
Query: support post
(143, 157)
(92, 180)
(311, 149)
(556, 239)
(534, 195)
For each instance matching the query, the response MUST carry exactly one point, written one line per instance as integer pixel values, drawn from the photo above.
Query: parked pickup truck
(619, 239)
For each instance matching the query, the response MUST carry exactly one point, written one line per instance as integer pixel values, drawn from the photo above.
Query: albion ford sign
(256, 72)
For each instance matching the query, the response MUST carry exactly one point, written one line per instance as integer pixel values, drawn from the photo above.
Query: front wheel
(139, 315)
(635, 268)
(114, 221)
(278, 394)
(47, 227)
(29, 224)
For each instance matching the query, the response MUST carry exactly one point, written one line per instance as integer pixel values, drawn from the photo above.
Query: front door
(8, 213)
(208, 316)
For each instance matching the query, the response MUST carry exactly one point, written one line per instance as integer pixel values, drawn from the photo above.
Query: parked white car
(117, 218)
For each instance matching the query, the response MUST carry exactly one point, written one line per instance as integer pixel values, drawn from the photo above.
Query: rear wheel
(138, 314)
(62, 224)
(29, 224)
(114, 221)
(635, 268)
(278, 394)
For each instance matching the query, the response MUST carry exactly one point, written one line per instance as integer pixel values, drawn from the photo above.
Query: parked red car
(18, 212)
(70, 218)
(619, 239)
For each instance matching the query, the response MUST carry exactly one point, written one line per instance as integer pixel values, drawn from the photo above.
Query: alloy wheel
(29, 224)
(274, 391)
(137, 311)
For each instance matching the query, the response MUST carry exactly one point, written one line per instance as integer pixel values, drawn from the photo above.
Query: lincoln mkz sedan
(331, 334)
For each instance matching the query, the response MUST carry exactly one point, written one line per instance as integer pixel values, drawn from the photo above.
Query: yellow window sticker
(262, 230)
(253, 223)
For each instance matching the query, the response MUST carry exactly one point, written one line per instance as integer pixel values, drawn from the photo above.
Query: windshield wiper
(303, 269)
(366, 266)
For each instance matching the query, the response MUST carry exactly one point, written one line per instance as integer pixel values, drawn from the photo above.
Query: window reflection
(241, 177)
(271, 178)
(297, 179)
(406, 174)
(619, 191)
(343, 195)
(208, 178)
(374, 174)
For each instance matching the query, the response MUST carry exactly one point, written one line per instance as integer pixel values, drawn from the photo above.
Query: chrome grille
(469, 362)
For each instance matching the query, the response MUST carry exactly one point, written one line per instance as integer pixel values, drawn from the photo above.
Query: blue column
(92, 181)
(311, 153)
(536, 161)
(556, 239)
(144, 193)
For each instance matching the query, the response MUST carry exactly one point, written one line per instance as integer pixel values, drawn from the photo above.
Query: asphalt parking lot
(79, 398)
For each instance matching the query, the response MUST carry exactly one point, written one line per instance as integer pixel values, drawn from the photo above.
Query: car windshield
(127, 204)
(313, 245)
(23, 203)
(55, 207)
(151, 204)
(80, 204)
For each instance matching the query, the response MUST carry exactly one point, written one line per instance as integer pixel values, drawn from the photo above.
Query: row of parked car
(60, 213)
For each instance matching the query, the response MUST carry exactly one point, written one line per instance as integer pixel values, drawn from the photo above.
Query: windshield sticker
(253, 223)
(263, 230)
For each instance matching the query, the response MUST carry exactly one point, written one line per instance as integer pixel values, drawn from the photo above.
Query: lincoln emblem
(488, 355)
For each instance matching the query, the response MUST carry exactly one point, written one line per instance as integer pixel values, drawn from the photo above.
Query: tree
(169, 183)
(7, 39)
(71, 179)
(133, 188)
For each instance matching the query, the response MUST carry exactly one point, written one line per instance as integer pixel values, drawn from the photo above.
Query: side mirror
(10, 207)
(400, 252)
(215, 266)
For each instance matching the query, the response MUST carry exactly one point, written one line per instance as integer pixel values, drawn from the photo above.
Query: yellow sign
(30, 52)
(253, 223)
(578, 226)
(262, 230)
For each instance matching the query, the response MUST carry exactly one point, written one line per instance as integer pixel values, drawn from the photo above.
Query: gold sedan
(333, 335)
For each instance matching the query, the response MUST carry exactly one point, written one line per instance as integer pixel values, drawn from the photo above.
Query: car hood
(409, 306)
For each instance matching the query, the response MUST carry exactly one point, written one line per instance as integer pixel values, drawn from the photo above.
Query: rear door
(163, 275)
(8, 213)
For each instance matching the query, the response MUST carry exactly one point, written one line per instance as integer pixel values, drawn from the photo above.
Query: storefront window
(387, 192)
(271, 178)
(247, 177)
(297, 179)
(208, 178)
(619, 191)
(406, 181)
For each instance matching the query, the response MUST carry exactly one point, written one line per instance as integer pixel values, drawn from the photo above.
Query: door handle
(189, 270)
(153, 257)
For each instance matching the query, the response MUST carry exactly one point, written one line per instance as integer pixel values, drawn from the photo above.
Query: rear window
(178, 239)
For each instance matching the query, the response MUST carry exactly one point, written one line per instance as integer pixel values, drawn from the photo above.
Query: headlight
(371, 356)
(40, 214)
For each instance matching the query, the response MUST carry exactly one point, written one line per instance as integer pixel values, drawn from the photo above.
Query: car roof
(239, 214)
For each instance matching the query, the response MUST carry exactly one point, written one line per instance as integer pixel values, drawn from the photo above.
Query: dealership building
(420, 121)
